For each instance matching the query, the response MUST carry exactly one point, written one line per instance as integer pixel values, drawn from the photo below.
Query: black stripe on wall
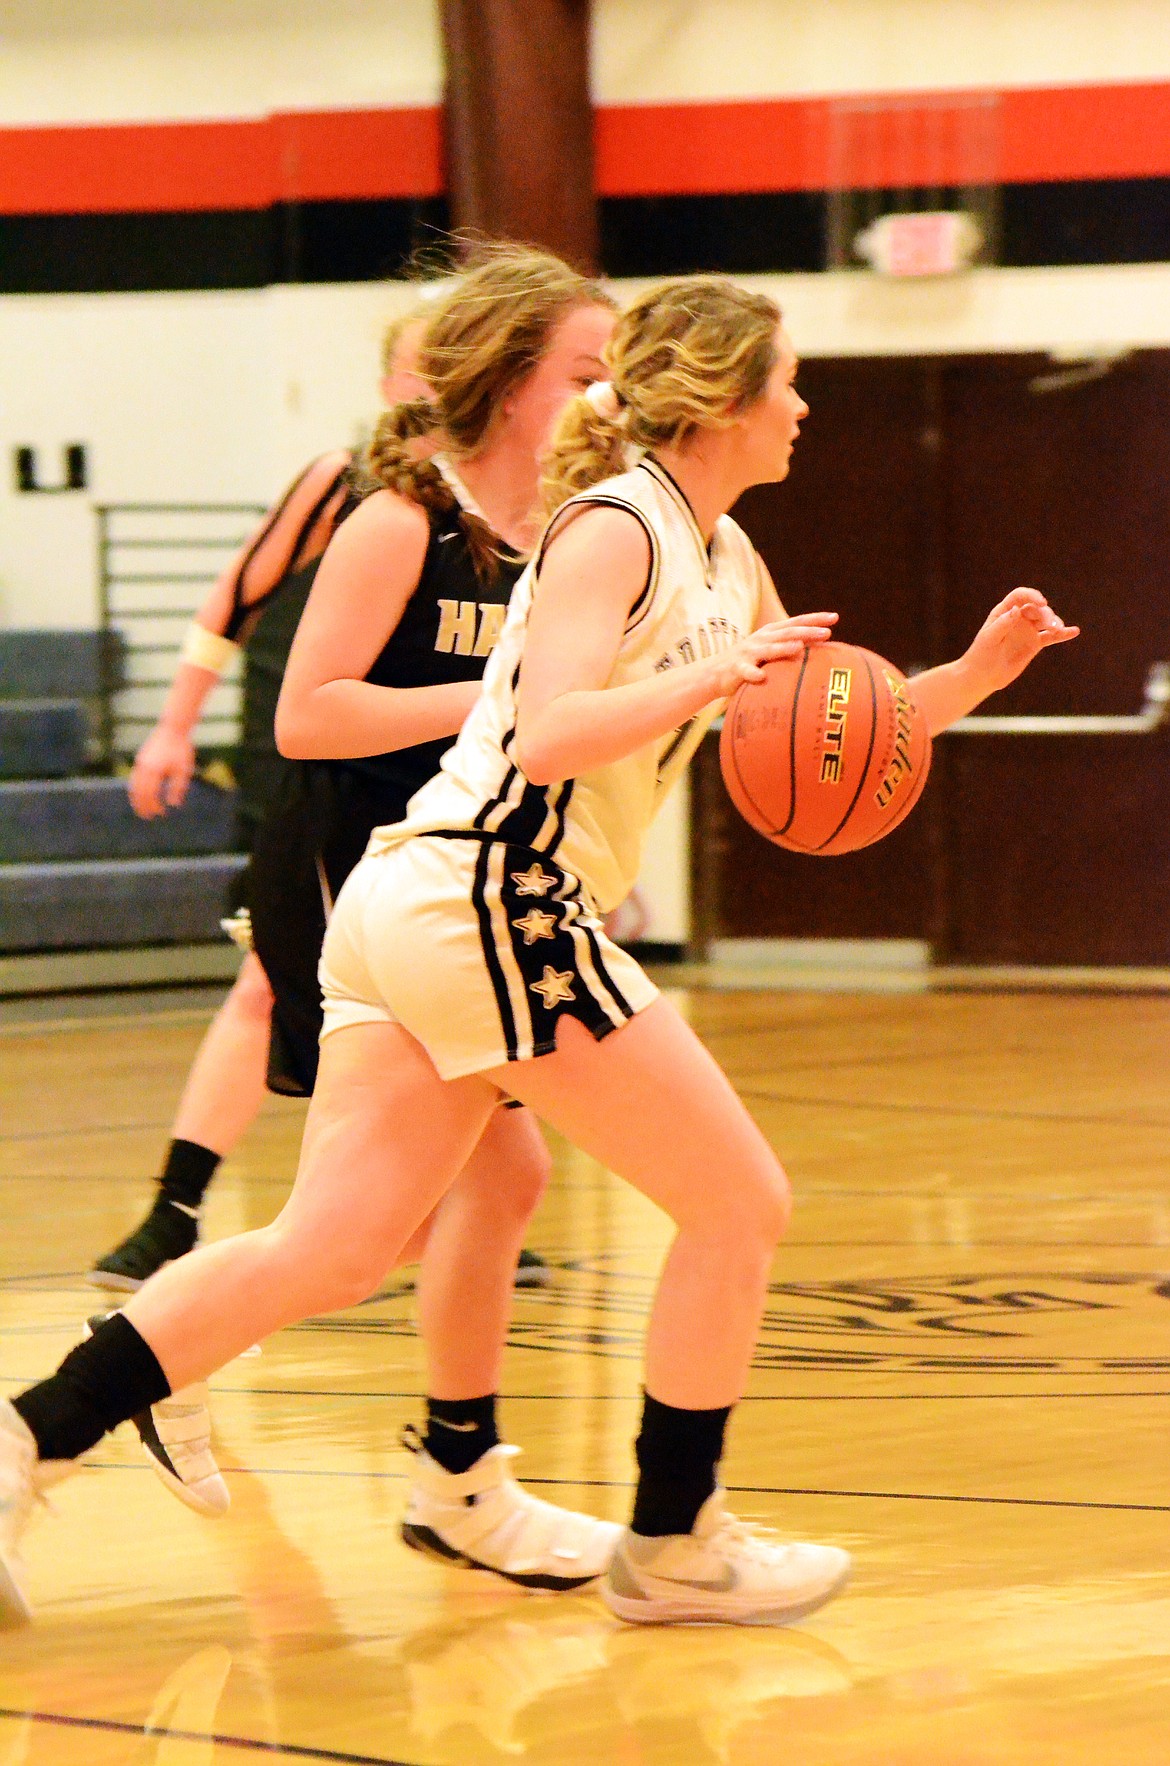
(1114, 221)
(232, 248)
(1107, 221)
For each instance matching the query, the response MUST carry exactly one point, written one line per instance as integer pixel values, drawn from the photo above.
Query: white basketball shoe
(18, 1493)
(484, 1520)
(24, 1478)
(721, 1571)
(176, 1438)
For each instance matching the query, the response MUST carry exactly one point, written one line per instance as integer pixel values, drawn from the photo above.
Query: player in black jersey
(326, 809)
(255, 606)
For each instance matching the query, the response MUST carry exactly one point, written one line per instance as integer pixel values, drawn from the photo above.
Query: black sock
(188, 1171)
(101, 1383)
(460, 1430)
(678, 1453)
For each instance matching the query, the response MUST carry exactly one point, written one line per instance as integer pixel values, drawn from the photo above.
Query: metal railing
(156, 563)
(1154, 715)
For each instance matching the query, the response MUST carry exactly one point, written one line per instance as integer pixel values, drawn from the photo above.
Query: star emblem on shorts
(535, 924)
(533, 881)
(554, 986)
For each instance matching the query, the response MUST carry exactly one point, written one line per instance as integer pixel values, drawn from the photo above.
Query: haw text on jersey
(469, 628)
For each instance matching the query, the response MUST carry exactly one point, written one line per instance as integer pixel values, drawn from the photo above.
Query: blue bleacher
(78, 870)
(42, 738)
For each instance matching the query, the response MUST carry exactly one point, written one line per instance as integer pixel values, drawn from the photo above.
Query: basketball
(828, 753)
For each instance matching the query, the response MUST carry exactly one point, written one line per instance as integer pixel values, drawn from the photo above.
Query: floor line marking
(1057, 1502)
(287, 1750)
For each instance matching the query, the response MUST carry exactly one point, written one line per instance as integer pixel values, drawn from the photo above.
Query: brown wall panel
(852, 529)
(921, 492)
(853, 525)
(1063, 486)
(1060, 850)
(756, 890)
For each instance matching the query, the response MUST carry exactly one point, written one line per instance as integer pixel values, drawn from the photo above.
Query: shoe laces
(750, 1537)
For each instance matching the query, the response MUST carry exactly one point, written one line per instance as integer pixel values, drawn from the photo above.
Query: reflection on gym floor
(964, 1378)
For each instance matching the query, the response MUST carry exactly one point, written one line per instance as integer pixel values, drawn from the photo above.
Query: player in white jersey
(538, 949)
(562, 760)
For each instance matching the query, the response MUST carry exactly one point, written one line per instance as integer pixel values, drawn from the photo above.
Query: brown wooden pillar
(520, 124)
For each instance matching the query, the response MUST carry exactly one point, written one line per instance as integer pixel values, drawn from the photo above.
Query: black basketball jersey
(260, 769)
(447, 631)
(266, 627)
(322, 818)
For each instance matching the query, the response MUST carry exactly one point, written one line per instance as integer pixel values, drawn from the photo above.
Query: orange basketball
(828, 752)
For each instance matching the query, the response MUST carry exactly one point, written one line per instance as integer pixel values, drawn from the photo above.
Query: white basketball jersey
(694, 603)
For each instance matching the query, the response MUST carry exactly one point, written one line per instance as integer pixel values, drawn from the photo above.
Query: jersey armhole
(244, 611)
(641, 606)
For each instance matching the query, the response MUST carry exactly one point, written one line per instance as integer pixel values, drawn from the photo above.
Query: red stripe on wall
(1086, 132)
(1024, 136)
(361, 153)
(142, 167)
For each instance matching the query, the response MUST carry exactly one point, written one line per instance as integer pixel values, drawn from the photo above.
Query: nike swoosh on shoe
(722, 1584)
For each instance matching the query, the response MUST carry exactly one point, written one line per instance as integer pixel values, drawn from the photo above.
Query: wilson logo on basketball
(901, 765)
(836, 711)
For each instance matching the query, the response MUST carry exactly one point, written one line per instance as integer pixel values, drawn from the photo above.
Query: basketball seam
(792, 746)
(731, 749)
(829, 838)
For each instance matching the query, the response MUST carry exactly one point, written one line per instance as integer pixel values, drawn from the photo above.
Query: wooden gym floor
(964, 1377)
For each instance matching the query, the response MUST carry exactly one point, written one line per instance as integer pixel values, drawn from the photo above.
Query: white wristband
(206, 649)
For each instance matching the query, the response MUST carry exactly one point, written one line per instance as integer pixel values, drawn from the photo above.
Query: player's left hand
(1012, 635)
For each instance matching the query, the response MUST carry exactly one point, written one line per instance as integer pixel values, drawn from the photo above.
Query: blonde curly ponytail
(687, 355)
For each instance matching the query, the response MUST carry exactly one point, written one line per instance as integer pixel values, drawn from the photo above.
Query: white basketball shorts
(478, 949)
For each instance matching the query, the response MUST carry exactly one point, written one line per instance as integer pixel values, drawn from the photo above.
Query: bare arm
(327, 709)
(166, 760)
(1012, 636)
(770, 607)
(568, 721)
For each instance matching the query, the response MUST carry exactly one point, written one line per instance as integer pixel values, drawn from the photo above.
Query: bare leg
(466, 1279)
(384, 1140)
(651, 1104)
(225, 1087)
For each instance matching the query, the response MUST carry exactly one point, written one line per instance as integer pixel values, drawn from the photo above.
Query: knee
(759, 1207)
(513, 1165)
(528, 1178)
(779, 1206)
(251, 997)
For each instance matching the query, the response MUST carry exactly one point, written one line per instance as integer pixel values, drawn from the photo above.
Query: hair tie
(602, 395)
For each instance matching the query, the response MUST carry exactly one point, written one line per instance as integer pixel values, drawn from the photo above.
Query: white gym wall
(222, 396)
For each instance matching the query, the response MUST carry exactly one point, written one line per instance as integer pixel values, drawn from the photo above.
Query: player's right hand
(781, 639)
(161, 773)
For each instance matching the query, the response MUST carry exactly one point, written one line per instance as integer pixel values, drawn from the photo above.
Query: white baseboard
(911, 954)
(78, 971)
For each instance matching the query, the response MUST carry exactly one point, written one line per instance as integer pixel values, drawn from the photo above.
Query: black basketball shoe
(170, 1230)
(531, 1271)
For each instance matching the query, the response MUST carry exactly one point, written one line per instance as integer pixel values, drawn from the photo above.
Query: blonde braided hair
(483, 338)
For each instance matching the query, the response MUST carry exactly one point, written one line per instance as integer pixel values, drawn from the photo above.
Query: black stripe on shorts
(542, 904)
